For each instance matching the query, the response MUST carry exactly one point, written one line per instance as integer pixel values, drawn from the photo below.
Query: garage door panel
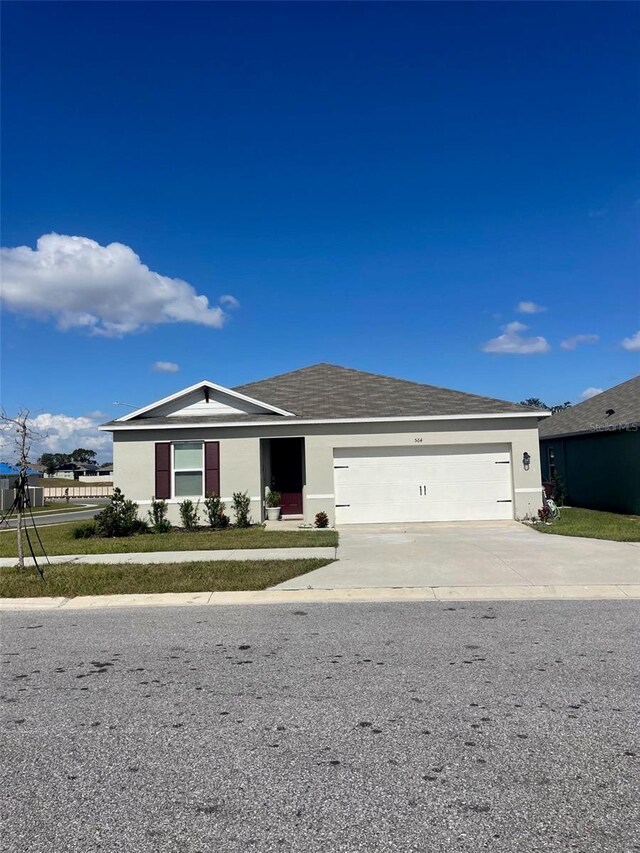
(422, 484)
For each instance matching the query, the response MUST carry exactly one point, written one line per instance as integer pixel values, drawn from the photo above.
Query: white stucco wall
(240, 468)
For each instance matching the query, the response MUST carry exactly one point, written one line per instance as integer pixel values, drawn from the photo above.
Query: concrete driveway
(503, 553)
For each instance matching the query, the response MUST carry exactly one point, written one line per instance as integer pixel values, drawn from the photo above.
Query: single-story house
(359, 446)
(83, 473)
(594, 449)
(8, 474)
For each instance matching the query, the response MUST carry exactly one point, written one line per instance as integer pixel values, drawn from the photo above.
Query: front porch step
(288, 523)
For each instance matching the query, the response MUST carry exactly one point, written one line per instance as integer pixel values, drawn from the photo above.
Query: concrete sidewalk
(335, 596)
(186, 556)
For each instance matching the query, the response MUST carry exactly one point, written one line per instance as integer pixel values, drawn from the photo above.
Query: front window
(188, 465)
(551, 459)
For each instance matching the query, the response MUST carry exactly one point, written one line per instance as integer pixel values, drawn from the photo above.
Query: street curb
(592, 592)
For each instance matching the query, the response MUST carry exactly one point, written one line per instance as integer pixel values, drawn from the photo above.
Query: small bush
(559, 493)
(158, 516)
(120, 518)
(214, 510)
(85, 531)
(273, 499)
(322, 519)
(189, 514)
(241, 505)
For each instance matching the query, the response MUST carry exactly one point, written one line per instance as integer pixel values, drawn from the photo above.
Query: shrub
(120, 518)
(85, 531)
(241, 505)
(214, 509)
(189, 514)
(158, 516)
(273, 499)
(322, 519)
(559, 492)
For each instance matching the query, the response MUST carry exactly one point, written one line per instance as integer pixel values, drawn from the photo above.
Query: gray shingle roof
(591, 416)
(327, 391)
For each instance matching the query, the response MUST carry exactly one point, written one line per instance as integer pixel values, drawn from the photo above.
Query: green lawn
(58, 539)
(592, 524)
(72, 579)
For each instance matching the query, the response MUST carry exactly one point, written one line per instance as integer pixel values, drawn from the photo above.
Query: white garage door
(387, 484)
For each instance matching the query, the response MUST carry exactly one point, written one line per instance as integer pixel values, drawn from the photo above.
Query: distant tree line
(536, 403)
(53, 461)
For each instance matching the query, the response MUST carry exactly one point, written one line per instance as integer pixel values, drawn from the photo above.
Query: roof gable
(615, 409)
(204, 399)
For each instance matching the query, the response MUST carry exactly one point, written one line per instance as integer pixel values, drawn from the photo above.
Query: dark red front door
(287, 473)
(291, 503)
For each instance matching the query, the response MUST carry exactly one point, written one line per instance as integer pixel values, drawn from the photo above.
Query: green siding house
(594, 448)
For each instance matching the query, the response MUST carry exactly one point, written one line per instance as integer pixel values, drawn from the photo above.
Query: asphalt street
(57, 517)
(427, 726)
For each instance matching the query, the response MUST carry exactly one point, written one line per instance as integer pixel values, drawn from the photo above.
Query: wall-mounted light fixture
(526, 461)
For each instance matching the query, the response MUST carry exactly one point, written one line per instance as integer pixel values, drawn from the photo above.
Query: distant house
(8, 477)
(83, 473)
(95, 474)
(360, 447)
(594, 448)
(8, 474)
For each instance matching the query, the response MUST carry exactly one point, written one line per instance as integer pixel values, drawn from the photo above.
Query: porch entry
(285, 472)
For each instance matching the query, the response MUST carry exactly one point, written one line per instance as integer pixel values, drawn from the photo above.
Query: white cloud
(529, 308)
(632, 343)
(106, 290)
(165, 367)
(229, 300)
(576, 340)
(512, 342)
(590, 392)
(62, 434)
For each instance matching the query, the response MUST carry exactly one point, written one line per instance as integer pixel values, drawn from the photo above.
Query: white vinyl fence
(101, 491)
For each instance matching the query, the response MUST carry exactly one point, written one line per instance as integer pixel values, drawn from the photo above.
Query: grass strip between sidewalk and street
(593, 524)
(73, 579)
(58, 539)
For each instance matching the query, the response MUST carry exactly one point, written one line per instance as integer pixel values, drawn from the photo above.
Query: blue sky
(376, 185)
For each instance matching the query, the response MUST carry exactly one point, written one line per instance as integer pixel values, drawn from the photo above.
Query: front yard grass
(58, 539)
(72, 579)
(593, 524)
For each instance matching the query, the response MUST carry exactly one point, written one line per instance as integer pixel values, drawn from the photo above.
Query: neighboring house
(93, 474)
(8, 478)
(594, 448)
(8, 474)
(359, 446)
(83, 473)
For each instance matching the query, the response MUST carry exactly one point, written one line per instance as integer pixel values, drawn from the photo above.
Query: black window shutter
(163, 470)
(212, 467)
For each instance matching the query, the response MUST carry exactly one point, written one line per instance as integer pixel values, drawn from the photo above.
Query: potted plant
(273, 505)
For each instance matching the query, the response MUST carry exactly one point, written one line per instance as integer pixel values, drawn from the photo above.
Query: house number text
(417, 440)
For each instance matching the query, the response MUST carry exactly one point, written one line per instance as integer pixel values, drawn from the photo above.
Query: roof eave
(140, 425)
(627, 426)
